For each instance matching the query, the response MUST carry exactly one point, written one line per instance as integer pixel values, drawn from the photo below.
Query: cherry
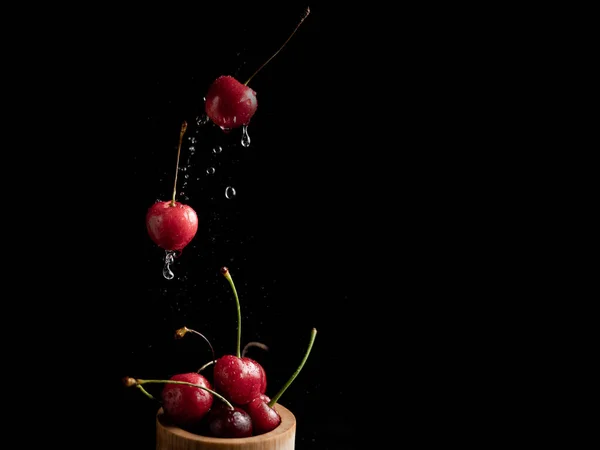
(263, 385)
(227, 422)
(231, 104)
(264, 417)
(239, 378)
(186, 405)
(186, 398)
(171, 224)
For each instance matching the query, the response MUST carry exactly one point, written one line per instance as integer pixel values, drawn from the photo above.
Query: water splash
(245, 136)
(169, 258)
(202, 120)
(230, 192)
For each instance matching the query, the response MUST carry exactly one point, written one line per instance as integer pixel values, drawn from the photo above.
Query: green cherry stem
(206, 365)
(181, 133)
(137, 382)
(147, 394)
(227, 275)
(306, 13)
(313, 335)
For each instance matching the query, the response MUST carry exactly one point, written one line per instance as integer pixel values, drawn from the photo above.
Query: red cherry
(240, 380)
(264, 418)
(187, 405)
(263, 377)
(228, 422)
(171, 225)
(229, 103)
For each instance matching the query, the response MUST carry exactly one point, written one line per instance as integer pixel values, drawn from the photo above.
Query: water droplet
(192, 140)
(230, 192)
(218, 149)
(210, 170)
(186, 176)
(192, 149)
(202, 120)
(245, 136)
(167, 272)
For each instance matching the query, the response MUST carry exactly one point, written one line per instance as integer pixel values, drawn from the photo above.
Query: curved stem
(219, 396)
(206, 365)
(306, 13)
(313, 334)
(227, 275)
(254, 344)
(147, 394)
(181, 133)
(184, 330)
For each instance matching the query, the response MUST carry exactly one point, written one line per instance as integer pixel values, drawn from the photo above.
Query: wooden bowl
(169, 437)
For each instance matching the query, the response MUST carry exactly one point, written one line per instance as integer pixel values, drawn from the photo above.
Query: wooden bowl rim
(288, 421)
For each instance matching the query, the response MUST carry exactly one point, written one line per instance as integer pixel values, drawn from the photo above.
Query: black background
(343, 217)
(297, 237)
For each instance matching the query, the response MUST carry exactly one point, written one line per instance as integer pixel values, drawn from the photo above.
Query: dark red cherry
(264, 418)
(225, 422)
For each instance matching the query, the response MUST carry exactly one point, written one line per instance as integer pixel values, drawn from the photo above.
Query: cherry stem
(139, 382)
(254, 344)
(227, 275)
(183, 331)
(147, 394)
(181, 133)
(313, 335)
(206, 365)
(306, 13)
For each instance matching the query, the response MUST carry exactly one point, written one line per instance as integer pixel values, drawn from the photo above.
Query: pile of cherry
(234, 405)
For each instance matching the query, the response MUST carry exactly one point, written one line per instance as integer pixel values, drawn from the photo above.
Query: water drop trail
(169, 257)
(245, 136)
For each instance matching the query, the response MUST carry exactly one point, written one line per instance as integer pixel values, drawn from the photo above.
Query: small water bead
(218, 149)
(210, 170)
(230, 192)
(192, 139)
(245, 136)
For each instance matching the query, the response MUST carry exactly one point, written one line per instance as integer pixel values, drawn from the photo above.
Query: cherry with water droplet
(230, 104)
(186, 398)
(187, 405)
(171, 224)
(238, 377)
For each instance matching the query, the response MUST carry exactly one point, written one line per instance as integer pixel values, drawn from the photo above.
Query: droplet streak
(169, 257)
(245, 136)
